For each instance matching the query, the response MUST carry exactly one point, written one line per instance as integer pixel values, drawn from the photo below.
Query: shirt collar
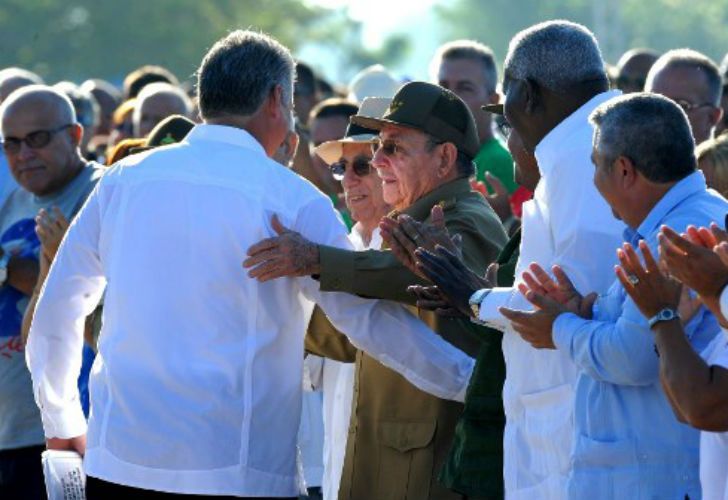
(222, 133)
(685, 188)
(559, 138)
(420, 209)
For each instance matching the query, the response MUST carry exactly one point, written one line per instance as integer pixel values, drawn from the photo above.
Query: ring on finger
(634, 280)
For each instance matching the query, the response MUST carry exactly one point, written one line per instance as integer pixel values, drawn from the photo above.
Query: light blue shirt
(628, 442)
(7, 181)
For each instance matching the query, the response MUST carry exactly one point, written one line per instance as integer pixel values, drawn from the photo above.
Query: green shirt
(476, 454)
(493, 157)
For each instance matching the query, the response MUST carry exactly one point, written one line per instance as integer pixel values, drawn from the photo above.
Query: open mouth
(356, 198)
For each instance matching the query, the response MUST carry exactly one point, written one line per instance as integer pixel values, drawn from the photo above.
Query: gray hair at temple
(649, 129)
(471, 50)
(688, 58)
(556, 55)
(239, 71)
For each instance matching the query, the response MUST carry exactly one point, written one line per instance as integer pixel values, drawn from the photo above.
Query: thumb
(277, 226)
(496, 184)
(437, 217)
(587, 304)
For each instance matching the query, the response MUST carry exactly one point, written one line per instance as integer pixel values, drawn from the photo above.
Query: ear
(532, 95)
(628, 174)
(274, 101)
(76, 133)
(716, 115)
(447, 159)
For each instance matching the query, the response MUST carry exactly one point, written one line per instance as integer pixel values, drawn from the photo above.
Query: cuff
(66, 423)
(337, 269)
(724, 301)
(489, 314)
(562, 331)
(460, 395)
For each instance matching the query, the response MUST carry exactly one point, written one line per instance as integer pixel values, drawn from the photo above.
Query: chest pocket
(406, 460)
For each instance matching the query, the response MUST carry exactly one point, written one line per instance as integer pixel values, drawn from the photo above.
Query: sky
(381, 18)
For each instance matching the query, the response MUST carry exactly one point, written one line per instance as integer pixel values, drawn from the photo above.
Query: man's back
(188, 339)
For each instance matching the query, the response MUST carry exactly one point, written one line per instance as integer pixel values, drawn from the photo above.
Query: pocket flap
(406, 436)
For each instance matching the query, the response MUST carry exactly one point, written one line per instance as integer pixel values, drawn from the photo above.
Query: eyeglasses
(688, 106)
(388, 147)
(34, 140)
(361, 166)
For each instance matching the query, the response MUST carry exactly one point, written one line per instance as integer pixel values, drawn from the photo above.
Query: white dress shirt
(197, 384)
(714, 445)
(567, 223)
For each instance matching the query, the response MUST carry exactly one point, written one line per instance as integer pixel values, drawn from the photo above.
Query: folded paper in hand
(64, 475)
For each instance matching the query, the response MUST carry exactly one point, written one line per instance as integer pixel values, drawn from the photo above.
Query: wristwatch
(476, 299)
(4, 267)
(666, 314)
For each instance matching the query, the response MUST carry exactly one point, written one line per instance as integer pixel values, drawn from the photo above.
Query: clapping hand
(404, 235)
(551, 299)
(50, 228)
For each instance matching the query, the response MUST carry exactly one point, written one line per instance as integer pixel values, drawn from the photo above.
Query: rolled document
(64, 475)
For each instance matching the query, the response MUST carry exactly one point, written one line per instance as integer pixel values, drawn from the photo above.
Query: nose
(379, 159)
(26, 152)
(350, 178)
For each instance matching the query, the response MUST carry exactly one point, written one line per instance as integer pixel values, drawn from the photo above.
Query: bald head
(156, 102)
(633, 67)
(14, 78)
(52, 107)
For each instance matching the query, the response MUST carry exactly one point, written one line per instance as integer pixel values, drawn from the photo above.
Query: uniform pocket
(406, 460)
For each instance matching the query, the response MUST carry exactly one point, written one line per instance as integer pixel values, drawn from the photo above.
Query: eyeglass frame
(19, 141)
(338, 169)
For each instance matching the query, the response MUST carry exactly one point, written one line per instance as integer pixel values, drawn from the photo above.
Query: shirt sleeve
(385, 330)
(72, 290)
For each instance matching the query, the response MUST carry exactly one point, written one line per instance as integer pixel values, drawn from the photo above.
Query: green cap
(431, 109)
(171, 130)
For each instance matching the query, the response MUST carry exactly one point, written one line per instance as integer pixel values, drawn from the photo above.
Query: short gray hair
(555, 54)
(688, 58)
(467, 49)
(649, 129)
(239, 71)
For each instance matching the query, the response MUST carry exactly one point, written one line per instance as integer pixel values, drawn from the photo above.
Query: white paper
(64, 475)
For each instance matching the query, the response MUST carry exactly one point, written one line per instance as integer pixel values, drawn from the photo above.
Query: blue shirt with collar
(627, 437)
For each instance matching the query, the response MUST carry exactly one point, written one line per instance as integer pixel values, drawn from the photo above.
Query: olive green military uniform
(399, 436)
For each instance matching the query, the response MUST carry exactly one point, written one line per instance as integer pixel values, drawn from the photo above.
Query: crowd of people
(263, 285)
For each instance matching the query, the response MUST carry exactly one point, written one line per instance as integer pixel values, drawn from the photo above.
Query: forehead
(398, 132)
(681, 82)
(28, 115)
(461, 69)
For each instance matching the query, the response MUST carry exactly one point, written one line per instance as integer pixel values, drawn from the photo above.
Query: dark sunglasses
(361, 166)
(34, 140)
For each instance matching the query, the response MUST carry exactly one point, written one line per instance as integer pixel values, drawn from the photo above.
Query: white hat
(374, 81)
(372, 107)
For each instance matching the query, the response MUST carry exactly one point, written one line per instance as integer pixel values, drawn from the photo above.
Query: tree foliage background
(78, 39)
(618, 24)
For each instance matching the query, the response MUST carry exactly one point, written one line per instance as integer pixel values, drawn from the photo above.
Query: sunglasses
(361, 166)
(34, 140)
(388, 147)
